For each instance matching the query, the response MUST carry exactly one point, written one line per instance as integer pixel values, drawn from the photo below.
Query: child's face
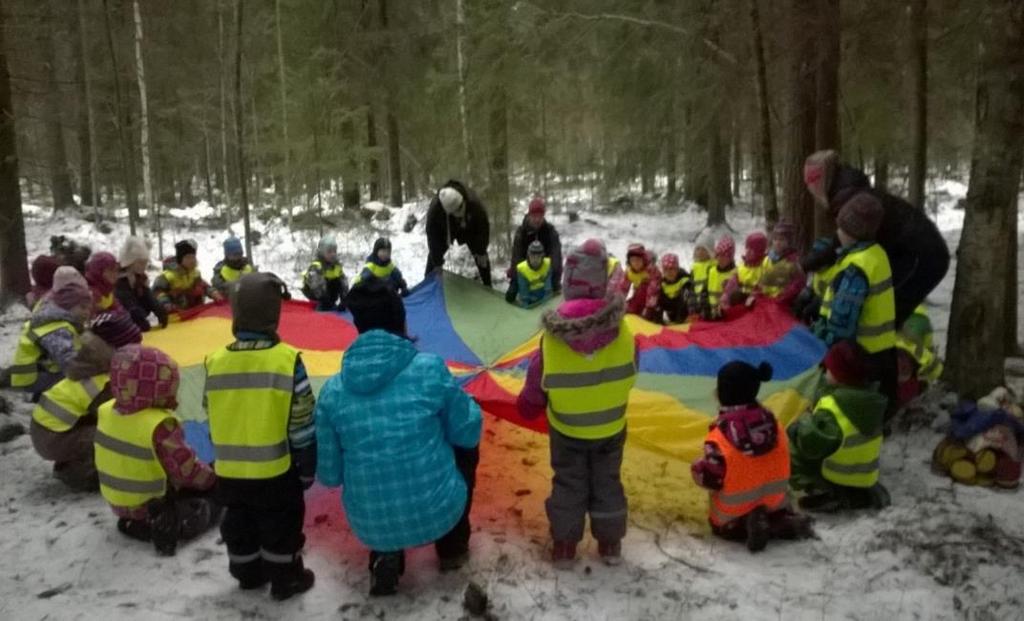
(110, 275)
(780, 245)
(190, 262)
(636, 263)
(845, 239)
(724, 261)
(139, 267)
(331, 255)
(701, 253)
(384, 255)
(535, 261)
(671, 273)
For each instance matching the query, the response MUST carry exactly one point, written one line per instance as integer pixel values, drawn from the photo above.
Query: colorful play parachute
(487, 344)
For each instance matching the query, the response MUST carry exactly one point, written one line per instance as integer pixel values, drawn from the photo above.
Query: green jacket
(816, 435)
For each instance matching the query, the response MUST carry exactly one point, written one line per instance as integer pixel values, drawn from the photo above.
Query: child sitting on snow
(180, 287)
(745, 466)
(675, 297)
(703, 262)
(101, 273)
(533, 278)
(642, 279)
(132, 287)
(148, 474)
(324, 281)
(379, 265)
(746, 282)
(783, 279)
(711, 306)
(918, 363)
(834, 449)
(233, 267)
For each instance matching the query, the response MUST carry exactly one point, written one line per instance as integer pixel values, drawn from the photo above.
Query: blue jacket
(527, 298)
(385, 429)
(395, 279)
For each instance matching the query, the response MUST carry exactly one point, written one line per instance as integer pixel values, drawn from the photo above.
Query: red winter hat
(537, 207)
(846, 361)
(636, 250)
(725, 247)
(43, 268)
(756, 247)
(669, 261)
(861, 216)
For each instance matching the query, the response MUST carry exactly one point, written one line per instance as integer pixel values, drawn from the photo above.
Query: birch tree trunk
(121, 120)
(147, 181)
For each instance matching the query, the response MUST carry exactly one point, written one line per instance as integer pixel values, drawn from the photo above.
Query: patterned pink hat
(143, 377)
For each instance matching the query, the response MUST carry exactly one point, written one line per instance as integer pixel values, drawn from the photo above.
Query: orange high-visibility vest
(750, 481)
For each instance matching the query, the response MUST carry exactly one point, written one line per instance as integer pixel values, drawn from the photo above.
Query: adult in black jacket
(917, 252)
(535, 228)
(456, 215)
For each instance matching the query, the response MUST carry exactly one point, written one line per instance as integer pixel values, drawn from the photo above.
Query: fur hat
(586, 272)
(256, 303)
(134, 249)
(847, 363)
(739, 382)
(451, 200)
(861, 216)
(376, 306)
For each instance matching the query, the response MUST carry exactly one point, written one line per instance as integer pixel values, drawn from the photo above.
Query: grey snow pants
(587, 480)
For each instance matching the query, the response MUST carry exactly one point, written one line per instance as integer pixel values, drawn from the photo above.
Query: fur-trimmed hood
(586, 325)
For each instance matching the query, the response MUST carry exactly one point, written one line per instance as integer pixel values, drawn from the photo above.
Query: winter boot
(453, 563)
(757, 529)
(163, 524)
(563, 554)
(385, 569)
(136, 529)
(787, 524)
(293, 580)
(879, 496)
(611, 552)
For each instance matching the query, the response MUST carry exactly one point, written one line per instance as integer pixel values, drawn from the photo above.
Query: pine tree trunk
(881, 170)
(460, 43)
(718, 175)
(286, 146)
(350, 193)
(86, 126)
(240, 130)
(1012, 338)
(207, 163)
(221, 75)
(374, 157)
(391, 119)
(827, 131)
(671, 153)
(123, 123)
(14, 278)
(57, 159)
(918, 13)
(147, 181)
(767, 176)
(501, 216)
(977, 345)
(800, 119)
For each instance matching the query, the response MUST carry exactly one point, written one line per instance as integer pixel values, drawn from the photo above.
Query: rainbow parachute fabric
(487, 344)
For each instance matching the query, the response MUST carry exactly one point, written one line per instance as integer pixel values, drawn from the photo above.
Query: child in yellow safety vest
(745, 466)
(260, 408)
(180, 286)
(234, 265)
(747, 280)
(324, 281)
(676, 297)
(703, 262)
(711, 306)
(834, 449)
(534, 278)
(783, 279)
(918, 362)
(642, 283)
(581, 377)
(150, 477)
(101, 272)
(379, 265)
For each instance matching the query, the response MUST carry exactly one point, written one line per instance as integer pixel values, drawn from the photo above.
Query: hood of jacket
(586, 325)
(50, 312)
(863, 406)
(373, 361)
(92, 359)
(750, 428)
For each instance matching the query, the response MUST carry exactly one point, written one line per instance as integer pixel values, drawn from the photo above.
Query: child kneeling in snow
(152, 479)
(835, 448)
(746, 464)
(747, 280)
(379, 265)
(533, 278)
(581, 377)
(676, 296)
(644, 281)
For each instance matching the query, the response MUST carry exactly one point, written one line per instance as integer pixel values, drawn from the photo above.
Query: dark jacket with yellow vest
(48, 342)
(859, 302)
(227, 272)
(387, 272)
(179, 289)
(838, 444)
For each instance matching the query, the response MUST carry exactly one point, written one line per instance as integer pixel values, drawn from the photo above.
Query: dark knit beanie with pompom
(739, 382)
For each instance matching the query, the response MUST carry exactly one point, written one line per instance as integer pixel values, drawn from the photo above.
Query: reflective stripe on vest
(535, 278)
(249, 397)
(180, 282)
(672, 290)
(230, 274)
(701, 269)
(379, 271)
(750, 481)
(333, 272)
(749, 277)
(855, 462)
(587, 395)
(29, 357)
(129, 471)
(636, 278)
(716, 284)
(876, 327)
(61, 407)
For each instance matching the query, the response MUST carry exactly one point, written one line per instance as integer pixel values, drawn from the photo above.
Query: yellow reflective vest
(230, 274)
(672, 290)
(716, 284)
(588, 394)
(700, 271)
(333, 272)
(921, 348)
(249, 397)
(61, 407)
(29, 357)
(749, 277)
(876, 327)
(130, 472)
(180, 281)
(855, 462)
(612, 264)
(536, 278)
(822, 280)
(379, 271)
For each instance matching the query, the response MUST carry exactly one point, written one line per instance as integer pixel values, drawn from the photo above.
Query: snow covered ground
(940, 552)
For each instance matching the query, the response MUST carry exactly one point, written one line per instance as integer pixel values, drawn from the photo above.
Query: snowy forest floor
(941, 551)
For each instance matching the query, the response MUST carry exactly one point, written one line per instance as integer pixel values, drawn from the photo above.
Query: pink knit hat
(586, 272)
(725, 247)
(143, 377)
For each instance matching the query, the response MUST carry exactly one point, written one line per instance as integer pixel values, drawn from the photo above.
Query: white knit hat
(134, 249)
(451, 199)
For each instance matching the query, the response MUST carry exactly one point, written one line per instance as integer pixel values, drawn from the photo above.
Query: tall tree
(826, 114)
(57, 160)
(147, 180)
(239, 106)
(460, 44)
(86, 124)
(14, 281)
(394, 144)
(800, 118)
(918, 17)
(286, 147)
(976, 335)
(222, 51)
(767, 176)
(122, 121)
